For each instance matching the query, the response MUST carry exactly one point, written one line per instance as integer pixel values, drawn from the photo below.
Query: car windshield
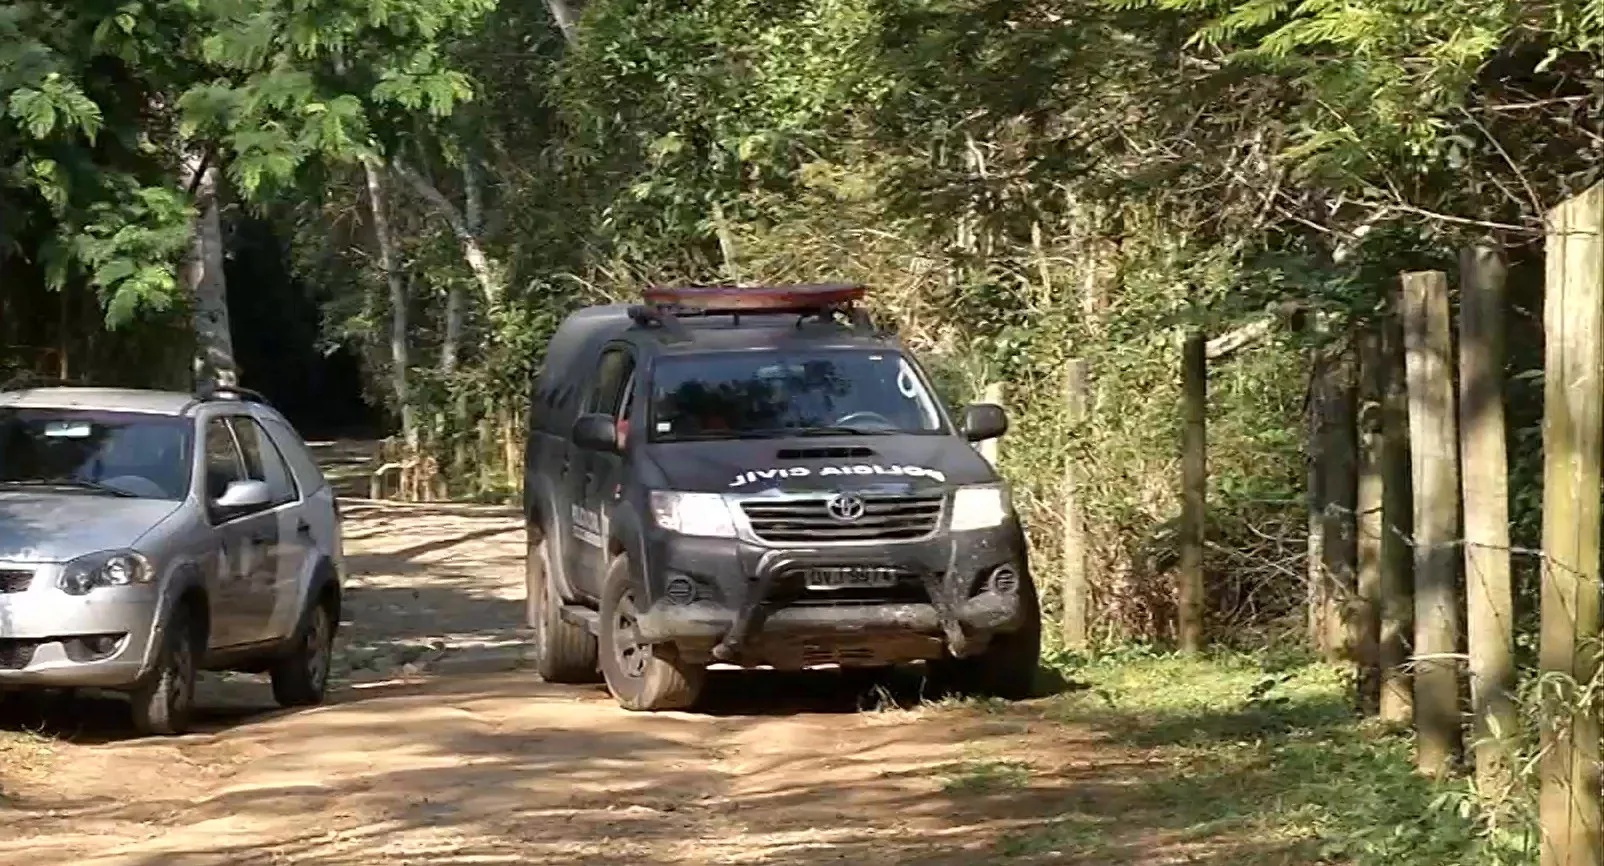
(735, 395)
(96, 453)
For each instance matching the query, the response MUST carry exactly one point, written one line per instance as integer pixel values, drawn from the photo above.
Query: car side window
(304, 466)
(262, 460)
(223, 464)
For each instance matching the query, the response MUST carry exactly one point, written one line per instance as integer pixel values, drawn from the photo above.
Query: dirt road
(438, 748)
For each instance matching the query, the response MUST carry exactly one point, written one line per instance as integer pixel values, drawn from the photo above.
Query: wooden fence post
(1490, 603)
(1194, 490)
(995, 394)
(1573, 413)
(1076, 589)
(1433, 438)
(1371, 487)
(1398, 522)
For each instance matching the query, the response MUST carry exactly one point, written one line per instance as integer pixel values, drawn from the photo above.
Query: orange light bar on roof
(755, 298)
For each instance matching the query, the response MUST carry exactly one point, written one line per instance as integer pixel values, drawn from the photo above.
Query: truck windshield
(838, 392)
(97, 453)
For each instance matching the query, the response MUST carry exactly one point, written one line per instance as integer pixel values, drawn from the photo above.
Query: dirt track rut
(438, 747)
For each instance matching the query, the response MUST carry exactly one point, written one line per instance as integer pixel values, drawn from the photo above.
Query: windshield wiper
(839, 431)
(80, 483)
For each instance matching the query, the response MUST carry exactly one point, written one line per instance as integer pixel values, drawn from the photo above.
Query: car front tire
(164, 703)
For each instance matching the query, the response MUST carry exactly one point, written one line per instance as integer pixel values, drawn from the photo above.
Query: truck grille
(885, 518)
(12, 580)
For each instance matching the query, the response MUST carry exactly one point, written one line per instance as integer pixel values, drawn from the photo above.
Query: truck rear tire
(647, 677)
(1007, 667)
(564, 652)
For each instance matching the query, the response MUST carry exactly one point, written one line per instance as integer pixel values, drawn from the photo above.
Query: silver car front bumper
(49, 638)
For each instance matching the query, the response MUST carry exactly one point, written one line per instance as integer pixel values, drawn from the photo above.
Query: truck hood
(57, 527)
(896, 462)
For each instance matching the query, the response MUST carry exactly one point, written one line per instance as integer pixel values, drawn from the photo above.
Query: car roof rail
(209, 391)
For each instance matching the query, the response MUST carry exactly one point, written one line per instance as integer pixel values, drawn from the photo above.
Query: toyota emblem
(846, 507)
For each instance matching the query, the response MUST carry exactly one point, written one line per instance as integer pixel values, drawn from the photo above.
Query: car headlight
(980, 507)
(107, 568)
(705, 514)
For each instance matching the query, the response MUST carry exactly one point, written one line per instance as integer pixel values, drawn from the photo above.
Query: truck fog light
(680, 589)
(1004, 580)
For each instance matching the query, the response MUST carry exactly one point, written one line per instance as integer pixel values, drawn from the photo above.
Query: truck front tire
(1007, 667)
(564, 652)
(647, 677)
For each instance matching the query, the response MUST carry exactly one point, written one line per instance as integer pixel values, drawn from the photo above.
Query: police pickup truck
(762, 478)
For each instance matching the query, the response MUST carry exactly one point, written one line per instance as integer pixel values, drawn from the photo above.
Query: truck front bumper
(748, 606)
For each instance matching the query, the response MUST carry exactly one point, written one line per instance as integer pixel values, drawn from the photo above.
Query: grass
(1247, 747)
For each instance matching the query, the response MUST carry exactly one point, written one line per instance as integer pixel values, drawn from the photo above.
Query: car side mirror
(982, 421)
(595, 432)
(244, 495)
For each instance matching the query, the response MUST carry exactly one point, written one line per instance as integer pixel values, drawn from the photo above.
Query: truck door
(597, 473)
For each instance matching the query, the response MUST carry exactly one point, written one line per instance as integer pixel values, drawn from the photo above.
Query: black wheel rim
(627, 649)
(318, 649)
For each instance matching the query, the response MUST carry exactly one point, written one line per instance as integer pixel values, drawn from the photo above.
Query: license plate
(858, 577)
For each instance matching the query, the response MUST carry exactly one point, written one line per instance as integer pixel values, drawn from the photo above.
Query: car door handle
(263, 538)
(303, 528)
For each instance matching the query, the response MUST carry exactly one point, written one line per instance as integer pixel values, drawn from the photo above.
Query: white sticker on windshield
(746, 478)
(69, 430)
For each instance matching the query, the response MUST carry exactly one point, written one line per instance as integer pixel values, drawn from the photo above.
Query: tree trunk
(1314, 473)
(1340, 479)
(1372, 383)
(1194, 491)
(1076, 588)
(1573, 415)
(400, 355)
(567, 21)
(472, 251)
(203, 277)
(1398, 522)
(1490, 599)
(1434, 437)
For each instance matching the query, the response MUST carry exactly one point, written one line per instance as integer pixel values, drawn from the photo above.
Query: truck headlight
(106, 568)
(980, 507)
(704, 514)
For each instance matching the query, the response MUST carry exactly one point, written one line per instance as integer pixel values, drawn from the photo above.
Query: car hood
(57, 527)
(818, 464)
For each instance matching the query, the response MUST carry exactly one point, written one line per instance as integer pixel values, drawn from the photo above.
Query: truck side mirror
(982, 421)
(596, 432)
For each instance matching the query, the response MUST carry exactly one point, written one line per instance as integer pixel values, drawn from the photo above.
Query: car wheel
(162, 705)
(301, 678)
(564, 652)
(640, 676)
(1007, 667)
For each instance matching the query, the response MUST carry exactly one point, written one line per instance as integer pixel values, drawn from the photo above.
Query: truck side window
(616, 369)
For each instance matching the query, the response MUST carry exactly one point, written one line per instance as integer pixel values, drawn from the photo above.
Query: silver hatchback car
(145, 535)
